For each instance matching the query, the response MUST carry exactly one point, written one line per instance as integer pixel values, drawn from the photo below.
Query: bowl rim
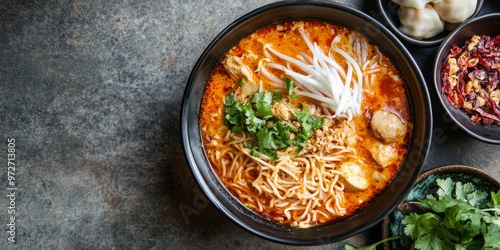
(442, 52)
(408, 172)
(460, 168)
(428, 42)
(450, 168)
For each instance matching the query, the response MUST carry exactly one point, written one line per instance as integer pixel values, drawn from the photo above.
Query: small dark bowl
(424, 186)
(482, 25)
(389, 12)
(365, 217)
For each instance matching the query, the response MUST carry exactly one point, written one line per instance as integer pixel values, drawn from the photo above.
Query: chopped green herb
(254, 152)
(241, 82)
(247, 145)
(263, 104)
(459, 217)
(289, 85)
(271, 134)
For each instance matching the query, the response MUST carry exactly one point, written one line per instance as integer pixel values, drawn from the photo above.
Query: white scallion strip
(322, 78)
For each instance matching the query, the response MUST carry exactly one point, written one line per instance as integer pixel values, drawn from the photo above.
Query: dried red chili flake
(470, 79)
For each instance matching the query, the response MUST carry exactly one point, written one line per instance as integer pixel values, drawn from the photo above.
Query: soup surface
(305, 122)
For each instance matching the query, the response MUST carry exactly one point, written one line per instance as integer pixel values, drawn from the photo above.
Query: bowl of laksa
(305, 122)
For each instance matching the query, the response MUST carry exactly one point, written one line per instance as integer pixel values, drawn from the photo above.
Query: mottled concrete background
(91, 93)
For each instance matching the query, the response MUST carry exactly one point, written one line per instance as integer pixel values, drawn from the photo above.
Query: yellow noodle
(307, 188)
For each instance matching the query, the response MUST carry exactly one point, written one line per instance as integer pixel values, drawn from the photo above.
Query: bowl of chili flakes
(466, 77)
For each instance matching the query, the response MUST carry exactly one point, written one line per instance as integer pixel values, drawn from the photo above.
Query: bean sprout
(321, 77)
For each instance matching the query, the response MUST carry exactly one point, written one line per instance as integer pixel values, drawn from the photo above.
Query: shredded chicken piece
(238, 70)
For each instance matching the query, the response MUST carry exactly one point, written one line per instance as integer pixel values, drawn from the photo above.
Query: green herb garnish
(289, 85)
(271, 134)
(241, 82)
(459, 217)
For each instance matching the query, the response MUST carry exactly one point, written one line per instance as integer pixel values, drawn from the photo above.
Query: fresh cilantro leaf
(492, 236)
(247, 111)
(477, 198)
(230, 100)
(463, 220)
(263, 97)
(265, 139)
(277, 97)
(468, 193)
(289, 85)
(263, 104)
(317, 123)
(459, 217)
(264, 110)
(255, 124)
(462, 190)
(247, 144)
(233, 117)
(475, 244)
(495, 198)
(236, 129)
(254, 152)
(439, 206)
(284, 125)
(256, 118)
(313, 123)
(303, 114)
(445, 188)
(433, 241)
(307, 129)
(419, 225)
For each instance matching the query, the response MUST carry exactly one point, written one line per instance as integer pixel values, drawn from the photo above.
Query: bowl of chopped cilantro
(449, 207)
(466, 77)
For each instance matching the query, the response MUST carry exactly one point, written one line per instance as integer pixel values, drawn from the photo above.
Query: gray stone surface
(91, 93)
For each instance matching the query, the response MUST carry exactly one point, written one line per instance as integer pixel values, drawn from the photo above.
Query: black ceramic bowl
(389, 12)
(364, 218)
(482, 25)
